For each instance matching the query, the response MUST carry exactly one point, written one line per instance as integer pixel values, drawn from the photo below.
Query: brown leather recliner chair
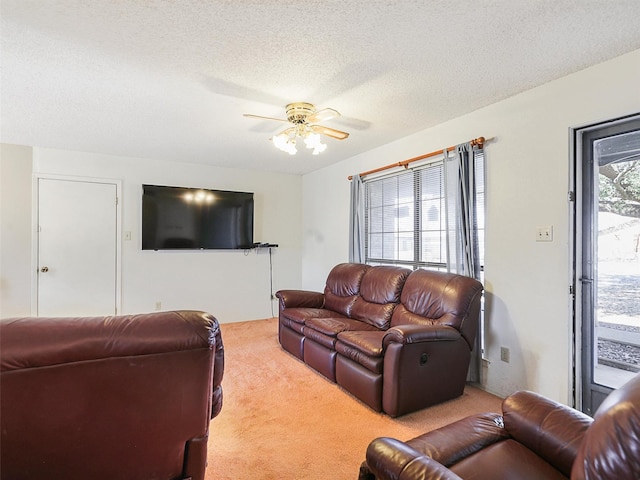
(535, 438)
(107, 398)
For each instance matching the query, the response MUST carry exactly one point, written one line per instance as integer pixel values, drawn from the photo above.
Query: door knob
(44, 269)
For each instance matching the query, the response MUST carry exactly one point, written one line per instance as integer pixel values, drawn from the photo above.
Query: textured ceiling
(171, 79)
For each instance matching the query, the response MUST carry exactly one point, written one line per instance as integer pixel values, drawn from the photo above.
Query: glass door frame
(584, 195)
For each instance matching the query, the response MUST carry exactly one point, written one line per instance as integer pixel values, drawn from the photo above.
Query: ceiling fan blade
(323, 115)
(329, 132)
(249, 115)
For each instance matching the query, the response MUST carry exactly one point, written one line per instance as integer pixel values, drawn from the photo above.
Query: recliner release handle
(423, 359)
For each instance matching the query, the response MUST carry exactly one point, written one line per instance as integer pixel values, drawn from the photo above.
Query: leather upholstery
(364, 348)
(444, 299)
(109, 397)
(397, 340)
(379, 294)
(298, 306)
(546, 427)
(611, 447)
(533, 438)
(343, 286)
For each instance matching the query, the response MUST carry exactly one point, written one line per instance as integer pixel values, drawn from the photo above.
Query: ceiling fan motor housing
(299, 111)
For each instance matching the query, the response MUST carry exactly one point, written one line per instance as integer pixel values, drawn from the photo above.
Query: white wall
(232, 285)
(15, 230)
(528, 167)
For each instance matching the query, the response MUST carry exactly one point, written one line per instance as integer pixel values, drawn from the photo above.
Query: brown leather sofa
(397, 340)
(534, 438)
(108, 398)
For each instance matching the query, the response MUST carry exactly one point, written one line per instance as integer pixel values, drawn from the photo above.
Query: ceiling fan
(304, 119)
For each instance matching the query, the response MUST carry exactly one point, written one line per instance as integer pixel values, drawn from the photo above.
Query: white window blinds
(409, 219)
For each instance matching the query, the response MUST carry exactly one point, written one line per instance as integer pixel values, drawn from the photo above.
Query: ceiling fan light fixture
(312, 140)
(285, 143)
(319, 149)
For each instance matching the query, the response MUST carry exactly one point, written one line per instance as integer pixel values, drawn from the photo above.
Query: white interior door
(77, 248)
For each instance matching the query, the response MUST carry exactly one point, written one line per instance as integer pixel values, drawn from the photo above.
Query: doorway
(77, 247)
(607, 258)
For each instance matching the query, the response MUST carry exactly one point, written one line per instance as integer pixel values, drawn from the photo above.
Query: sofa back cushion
(430, 297)
(343, 286)
(379, 294)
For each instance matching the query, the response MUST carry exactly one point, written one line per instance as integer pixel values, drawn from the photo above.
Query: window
(410, 216)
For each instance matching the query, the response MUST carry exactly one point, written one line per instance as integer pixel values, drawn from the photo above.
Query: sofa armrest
(391, 459)
(550, 429)
(300, 299)
(412, 333)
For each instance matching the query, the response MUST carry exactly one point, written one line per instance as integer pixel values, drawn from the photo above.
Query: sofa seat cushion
(296, 318)
(363, 347)
(325, 330)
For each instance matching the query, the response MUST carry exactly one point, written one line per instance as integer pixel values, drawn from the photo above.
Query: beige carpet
(282, 420)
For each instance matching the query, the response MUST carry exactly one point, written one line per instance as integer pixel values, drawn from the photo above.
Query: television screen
(195, 218)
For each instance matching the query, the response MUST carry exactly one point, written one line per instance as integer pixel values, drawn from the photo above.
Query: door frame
(581, 336)
(35, 237)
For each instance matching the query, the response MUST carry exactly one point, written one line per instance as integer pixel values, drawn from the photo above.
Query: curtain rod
(405, 163)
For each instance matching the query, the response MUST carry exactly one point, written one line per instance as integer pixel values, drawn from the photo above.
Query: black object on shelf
(264, 245)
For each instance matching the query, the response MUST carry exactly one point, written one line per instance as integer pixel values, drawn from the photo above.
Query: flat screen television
(195, 218)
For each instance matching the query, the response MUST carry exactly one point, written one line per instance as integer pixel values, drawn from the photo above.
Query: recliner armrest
(454, 442)
(426, 468)
(413, 333)
(550, 429)
(391, 459)
(429, 455)
(300, 298)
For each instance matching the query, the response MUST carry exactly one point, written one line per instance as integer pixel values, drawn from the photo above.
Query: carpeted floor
(282, 420)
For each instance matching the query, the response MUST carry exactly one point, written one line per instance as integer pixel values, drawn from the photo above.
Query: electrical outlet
(158, 305)
(544, 234)
(504, 354)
